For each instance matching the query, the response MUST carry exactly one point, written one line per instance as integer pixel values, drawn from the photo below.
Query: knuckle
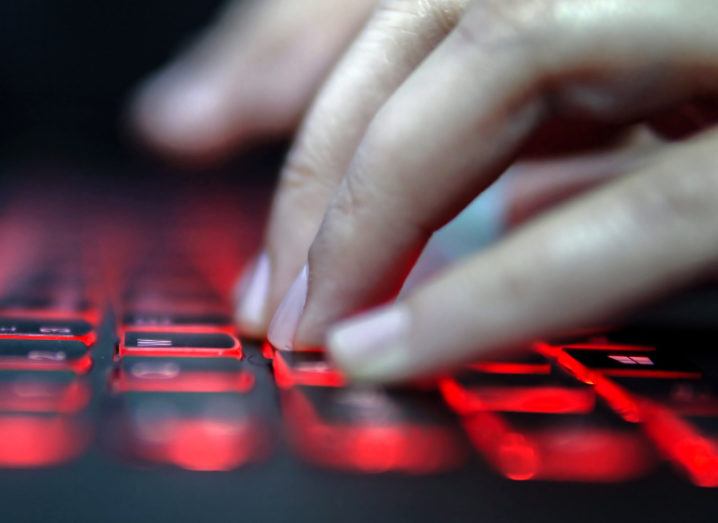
(296, 172)
(302, 171)
(495, 25)
(445, 13)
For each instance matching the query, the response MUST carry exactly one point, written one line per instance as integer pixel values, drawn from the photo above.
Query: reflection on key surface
(370, 431)
(539, 424)
(207, 432)
(32, 441)
(662, 391)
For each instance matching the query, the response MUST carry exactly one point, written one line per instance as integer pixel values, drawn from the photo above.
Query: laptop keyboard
(116, 338)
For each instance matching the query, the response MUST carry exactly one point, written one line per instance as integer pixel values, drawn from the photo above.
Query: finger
(398, 36)
(528, 188)
(534, 185)
(639, 236)
(466, 112)
(250, 74)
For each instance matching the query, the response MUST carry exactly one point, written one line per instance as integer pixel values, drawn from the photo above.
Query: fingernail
(374, 346)
(252, 297)
(286, 319)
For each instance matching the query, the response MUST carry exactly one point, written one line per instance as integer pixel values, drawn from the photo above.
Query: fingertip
(182, 112)
(375, 346)
(251, 298)
(283, 326)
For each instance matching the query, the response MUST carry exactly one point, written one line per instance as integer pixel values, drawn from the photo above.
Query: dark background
(67, 68)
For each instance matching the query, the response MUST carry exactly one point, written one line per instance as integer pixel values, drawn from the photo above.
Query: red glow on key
(268, 350)
(618, 399)
(183, 381)
(581, 453)
(502, 367)
(202, 444)
(88, 339)
(533, 399)
(38, 396)
(369, 446)
(32, 442)
(314, 375)
(210, 445)
(79, 366)
(161, 347)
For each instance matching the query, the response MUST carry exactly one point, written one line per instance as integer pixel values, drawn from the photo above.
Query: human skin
(430, 103)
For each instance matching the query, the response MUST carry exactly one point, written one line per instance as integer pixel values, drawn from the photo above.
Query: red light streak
(623, 403)
(503, 367)
(682, 443)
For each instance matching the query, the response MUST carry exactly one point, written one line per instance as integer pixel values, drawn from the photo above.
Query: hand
(432, 102)
(248, 76)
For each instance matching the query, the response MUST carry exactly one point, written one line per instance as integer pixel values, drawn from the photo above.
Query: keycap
(293, 368)
(45, 355)
(184, 344)
(203, 432)
(562, 448)
(621, 362)
(524, 383)
(47, 329)
(371, 431)
(34, 441)
(55, 392)
(134, 374)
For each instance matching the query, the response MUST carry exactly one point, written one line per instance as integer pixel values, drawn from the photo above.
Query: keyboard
(119, 358)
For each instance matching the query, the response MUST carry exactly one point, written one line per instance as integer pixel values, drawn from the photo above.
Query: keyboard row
(180, 394)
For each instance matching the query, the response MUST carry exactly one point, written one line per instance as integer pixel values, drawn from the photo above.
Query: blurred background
(69, 66)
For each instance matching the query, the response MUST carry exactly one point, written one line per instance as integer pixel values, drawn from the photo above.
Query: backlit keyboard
(117, 335)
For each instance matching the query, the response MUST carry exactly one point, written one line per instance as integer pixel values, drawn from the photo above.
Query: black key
(39, 327)
(635, 363)
(44, 355)
(167, 343)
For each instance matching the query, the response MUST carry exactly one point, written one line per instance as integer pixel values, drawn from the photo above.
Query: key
(55, 392)
(183, 344)
(564, 448)
(45, 355)
(180, 375)
(633, 363)
(309, 368)
(371, 431)
(207, 432)
(47, 329)
(523, 383)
